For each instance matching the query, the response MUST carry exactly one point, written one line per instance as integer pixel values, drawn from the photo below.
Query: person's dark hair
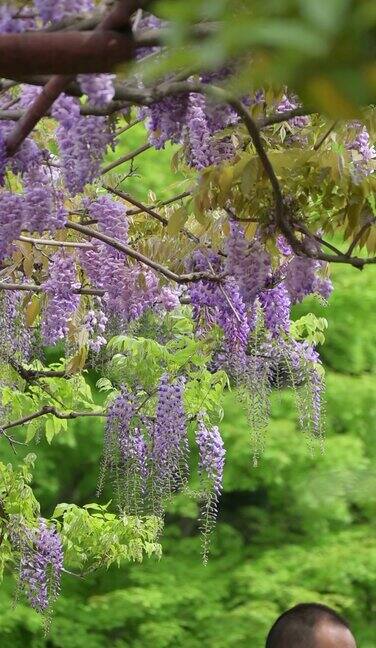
(296, 627)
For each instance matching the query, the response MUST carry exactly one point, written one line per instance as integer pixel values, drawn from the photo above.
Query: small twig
(39, 289)
(359, 235)
(125, 158)
(325, 136)
(72, 244)
(141, 208)
(147, 210)
(164, 203)
(301, 228)
(12, 442)
(128, 127)
(70, 573)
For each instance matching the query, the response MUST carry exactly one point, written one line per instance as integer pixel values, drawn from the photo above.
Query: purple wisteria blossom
(248, 262)
(98, 87)
(286, 105)
(111, 217)
(82, 143)
(210, 467)
(62, 302)
(41, 562)
(211, 455)
(54, 10)
(170, 445)
(275, 303)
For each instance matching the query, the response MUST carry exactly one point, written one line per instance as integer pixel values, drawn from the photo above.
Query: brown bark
(118, 19)
(67, 53)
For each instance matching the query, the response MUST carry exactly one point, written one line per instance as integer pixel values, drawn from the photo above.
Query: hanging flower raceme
(41, 562)
(248, 262)
(170, 445)
(43, 208)
(62, 302)
(15, 338)
(218, 303)
(210, 468)
(95, 324)
(275, 303)
(200, 154)
(302, 275)
(126, 453)
(82, 143)
(111, 217)
(364, 154)
(11, 220)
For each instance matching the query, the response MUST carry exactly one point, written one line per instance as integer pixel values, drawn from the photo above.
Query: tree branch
(164, 203)
(37, 110)
(280, 216)
(85, 109)
(134, 254)
(115, 20)
(35, 374)
(39, 289)
(71, 244)
(49, 409)
(148, 210)
(278, 118)
(125, 158)
(70, 52)
(141, 208)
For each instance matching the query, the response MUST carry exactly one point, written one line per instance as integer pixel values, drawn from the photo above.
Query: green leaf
(50, 429)
(177, 220)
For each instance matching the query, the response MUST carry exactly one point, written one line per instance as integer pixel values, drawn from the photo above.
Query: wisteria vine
(206, 281)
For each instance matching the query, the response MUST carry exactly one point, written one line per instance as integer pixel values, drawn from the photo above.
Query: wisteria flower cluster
(147, 456)
(41, 561)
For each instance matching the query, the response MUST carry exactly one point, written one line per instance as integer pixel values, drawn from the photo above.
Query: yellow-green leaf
(32, 310)
(177, 220)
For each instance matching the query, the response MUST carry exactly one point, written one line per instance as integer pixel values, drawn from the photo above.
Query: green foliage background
(299, 527)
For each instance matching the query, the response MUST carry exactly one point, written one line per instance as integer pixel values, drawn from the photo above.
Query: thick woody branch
(85, 109)
(117, 19)
(69, 53)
